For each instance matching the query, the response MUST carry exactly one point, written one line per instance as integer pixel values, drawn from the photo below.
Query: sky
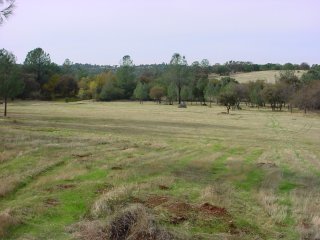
(150, 31)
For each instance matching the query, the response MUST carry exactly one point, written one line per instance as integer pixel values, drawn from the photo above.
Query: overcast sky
(150, 31)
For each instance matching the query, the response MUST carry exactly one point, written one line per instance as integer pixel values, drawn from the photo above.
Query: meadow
(124, 170)
(269, 76)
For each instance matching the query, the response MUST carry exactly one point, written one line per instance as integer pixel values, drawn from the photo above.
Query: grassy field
(267, 76)
(89, 170)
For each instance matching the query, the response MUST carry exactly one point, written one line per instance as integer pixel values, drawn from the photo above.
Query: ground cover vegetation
(123, 170)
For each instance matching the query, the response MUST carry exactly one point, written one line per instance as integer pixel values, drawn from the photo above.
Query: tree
(200, 73)
(255, 93)
(125, 76)
(141, 92)
(67, 86)
(290, 78)
(228, 96)
(304, 66)
(50, 87)
(156, 93)
(126, 61)
(171, 93)
(212, 90)
(178, 72)
(10, 84)
(110, 91)
(275, 94)
(67, 66)
(31, 88)
(6, 10)
(308, 97)
(186, 93)
(38, 62)
(312, 74)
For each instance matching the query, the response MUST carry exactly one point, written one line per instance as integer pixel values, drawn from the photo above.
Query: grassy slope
(268, 76)
(61, 162)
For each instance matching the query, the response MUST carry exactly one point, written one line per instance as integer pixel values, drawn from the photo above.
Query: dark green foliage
(228, 96)
(255, 92)
(67, 86)
(178, 74)
(312, 74)
(110, 91)
(10, 83)
(38, 63)
(126, 77)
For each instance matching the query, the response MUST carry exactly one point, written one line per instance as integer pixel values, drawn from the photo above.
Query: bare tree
(6, 9)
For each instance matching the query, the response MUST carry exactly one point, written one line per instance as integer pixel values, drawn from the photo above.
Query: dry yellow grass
(268, 76)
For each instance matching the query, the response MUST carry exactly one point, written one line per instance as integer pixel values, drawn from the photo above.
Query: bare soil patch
(51, 202)
(213, 210)
(154, 201)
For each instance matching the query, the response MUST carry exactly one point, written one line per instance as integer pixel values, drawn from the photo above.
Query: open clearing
(67, 169)
(267, 76)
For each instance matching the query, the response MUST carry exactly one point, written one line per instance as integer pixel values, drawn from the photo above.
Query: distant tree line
(177, 81)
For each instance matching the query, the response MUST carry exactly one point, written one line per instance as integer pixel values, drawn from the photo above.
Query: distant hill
(268, 76)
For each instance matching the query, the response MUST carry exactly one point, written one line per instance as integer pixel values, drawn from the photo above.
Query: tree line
(39, 78)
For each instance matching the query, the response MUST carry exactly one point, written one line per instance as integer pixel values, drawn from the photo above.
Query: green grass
(252, 180)
(59, 162)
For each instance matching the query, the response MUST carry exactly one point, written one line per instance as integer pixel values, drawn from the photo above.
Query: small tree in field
(228, 96)
(212, 90)
(141, 92)
(308, 97)
(156, 93)
(10, 84)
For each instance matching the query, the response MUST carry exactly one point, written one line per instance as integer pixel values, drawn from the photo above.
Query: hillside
(268, 76)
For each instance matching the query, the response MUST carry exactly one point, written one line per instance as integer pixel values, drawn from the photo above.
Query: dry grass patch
(306, 209)
(7, 220)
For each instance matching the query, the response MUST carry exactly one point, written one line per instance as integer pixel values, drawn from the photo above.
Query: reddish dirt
(266, 164)
(104, 189)
(51, 202)
(233, 228)
(163, 187)
(116, 168)
(154, 201)
(180, 211)
(82, 155)
(213, 210)
(137, 200)
(178, 219)
(179, 207)
(306, 225)
(65, 186)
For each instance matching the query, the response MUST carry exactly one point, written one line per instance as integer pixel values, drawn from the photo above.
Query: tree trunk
(228, 109)
(5, 106)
